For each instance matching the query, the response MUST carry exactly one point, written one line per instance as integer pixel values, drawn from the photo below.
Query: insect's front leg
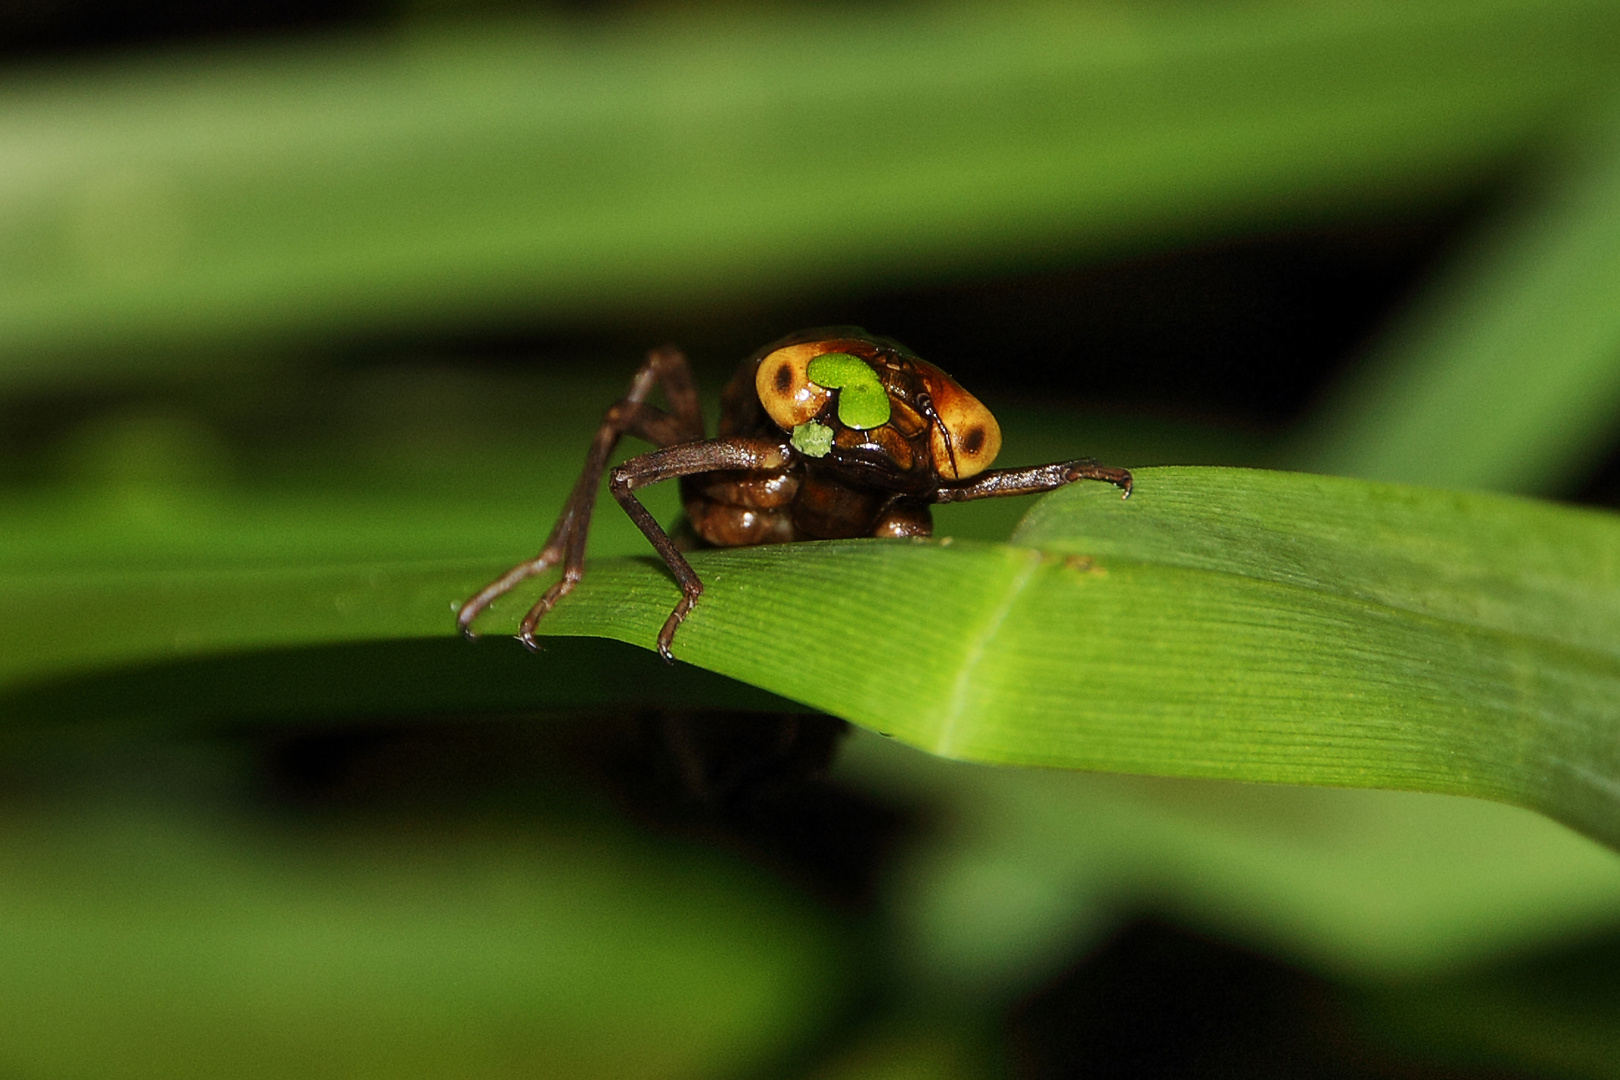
(686, 459)
(1033, 480)
(631, 415)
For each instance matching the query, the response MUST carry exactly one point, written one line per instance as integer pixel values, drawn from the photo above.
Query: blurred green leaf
(1552, 1013)
(1222, 623)
(1033, 866)
(528, 171)
(935, 1046)
(142, 944)
(1506, 374)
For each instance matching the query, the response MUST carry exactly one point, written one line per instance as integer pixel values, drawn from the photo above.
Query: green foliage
(1243, 625)
(212, 213)
(1505, 377)
(543, 169)
(143, 944)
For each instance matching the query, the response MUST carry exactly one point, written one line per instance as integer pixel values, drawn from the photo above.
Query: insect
(826, 434)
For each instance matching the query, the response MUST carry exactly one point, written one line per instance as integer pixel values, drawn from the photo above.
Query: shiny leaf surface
(1221, 623)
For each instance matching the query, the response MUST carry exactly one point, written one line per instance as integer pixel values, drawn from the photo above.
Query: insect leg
(667, 464)
(631, 415)
(1034, 479)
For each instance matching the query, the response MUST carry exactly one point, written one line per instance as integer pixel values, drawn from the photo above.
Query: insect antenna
(925, 402)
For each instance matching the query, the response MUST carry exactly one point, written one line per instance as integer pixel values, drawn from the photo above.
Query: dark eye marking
(973, 441)
(784, 379)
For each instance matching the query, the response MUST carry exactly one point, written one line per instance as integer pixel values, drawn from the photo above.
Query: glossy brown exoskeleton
(864, 451)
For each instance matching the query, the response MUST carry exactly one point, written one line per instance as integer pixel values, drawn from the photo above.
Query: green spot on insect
(812, 439)
(862, 401)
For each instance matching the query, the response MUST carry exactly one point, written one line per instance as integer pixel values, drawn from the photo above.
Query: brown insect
(827, 434)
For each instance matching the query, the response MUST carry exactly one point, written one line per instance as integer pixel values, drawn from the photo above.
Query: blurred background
(317, 286)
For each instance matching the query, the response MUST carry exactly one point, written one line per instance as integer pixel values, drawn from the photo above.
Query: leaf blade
(502, 172)
(1222, 623)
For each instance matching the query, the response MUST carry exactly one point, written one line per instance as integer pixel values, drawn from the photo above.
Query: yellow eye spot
(967, 438)
(784, 386)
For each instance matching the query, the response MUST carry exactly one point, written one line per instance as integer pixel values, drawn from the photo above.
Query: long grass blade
(530, 171)
(1221, 623)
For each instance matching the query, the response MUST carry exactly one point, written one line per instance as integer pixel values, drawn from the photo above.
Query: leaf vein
(957, 703)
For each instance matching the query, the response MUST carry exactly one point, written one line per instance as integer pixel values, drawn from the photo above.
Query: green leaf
(1503, 376)
(1220, 623)
(1356, 884)
(541, 170)
(144, 942)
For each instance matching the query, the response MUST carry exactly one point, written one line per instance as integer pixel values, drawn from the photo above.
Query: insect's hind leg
(666, 368)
